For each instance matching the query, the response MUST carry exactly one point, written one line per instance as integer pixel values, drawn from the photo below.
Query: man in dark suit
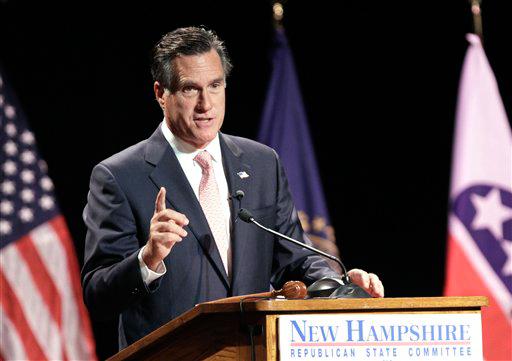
(161, 216)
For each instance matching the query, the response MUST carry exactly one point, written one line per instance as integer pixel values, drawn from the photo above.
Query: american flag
(480, 223)
(42, 316)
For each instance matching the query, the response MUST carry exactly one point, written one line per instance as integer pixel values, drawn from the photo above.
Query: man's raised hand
(166, 229)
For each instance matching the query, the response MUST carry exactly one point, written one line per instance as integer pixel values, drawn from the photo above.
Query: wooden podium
(218, 330)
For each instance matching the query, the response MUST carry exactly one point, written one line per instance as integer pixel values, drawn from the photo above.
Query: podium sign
(380, 336)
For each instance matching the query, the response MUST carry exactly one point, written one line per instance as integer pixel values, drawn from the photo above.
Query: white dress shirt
(185, 153)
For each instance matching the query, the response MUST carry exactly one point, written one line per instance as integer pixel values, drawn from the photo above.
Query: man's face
(194, 111)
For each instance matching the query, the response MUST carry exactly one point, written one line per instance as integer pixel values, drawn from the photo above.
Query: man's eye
(216, 86)
(189, 90)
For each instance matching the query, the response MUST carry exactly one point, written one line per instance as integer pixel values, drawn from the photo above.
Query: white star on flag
(10, 112)
(28, 157)
(26, 214)
(10, 148)
(8, 187)
(6, 207)
(10, 167)
(10, 129)
(46, 183)
(490, 213)
(46, 202)
(27, 176)
(43, 166)
(27, 195)
(27, 137)
(5, 227)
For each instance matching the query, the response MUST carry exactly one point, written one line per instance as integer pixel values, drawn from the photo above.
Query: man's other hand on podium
(370, 282)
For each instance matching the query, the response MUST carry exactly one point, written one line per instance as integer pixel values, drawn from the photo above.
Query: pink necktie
(210, 201)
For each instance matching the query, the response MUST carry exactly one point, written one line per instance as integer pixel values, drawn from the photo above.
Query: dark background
(379, 82)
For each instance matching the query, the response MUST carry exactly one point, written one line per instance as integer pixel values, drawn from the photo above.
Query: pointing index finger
(160, 200)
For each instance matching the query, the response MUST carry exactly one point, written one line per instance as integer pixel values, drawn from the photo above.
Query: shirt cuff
(148, 275)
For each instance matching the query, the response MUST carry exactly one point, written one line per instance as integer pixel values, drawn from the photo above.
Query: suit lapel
(169, 174)
(234, 167)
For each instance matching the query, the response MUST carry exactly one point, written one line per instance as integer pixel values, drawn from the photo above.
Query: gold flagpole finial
(477, 18)
(278, 11)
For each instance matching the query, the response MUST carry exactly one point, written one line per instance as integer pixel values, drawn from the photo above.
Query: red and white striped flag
(480, 221)
(42, 316)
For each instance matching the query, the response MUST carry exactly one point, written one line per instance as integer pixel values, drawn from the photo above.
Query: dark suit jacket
(120, 205)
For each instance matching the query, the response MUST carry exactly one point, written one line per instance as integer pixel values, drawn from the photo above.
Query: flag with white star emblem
(42, 316)
(479, 258)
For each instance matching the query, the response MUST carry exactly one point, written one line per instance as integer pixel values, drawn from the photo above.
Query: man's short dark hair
(184, 41)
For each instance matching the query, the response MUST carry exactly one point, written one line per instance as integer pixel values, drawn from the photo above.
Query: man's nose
(204, 102)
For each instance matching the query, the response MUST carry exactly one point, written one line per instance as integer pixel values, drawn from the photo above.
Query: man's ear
(159, 93)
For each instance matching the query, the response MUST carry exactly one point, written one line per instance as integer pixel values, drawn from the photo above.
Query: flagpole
(477, 18)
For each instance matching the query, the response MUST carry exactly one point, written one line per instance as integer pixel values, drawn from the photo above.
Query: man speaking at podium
(163, 233)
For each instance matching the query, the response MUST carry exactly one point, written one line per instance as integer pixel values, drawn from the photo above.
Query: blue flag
(284, 127)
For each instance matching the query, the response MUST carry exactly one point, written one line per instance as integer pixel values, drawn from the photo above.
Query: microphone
(246, 216)
(324, 286)
(239, 194)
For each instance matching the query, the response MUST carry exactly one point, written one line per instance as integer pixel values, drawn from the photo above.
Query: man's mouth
(203, 119)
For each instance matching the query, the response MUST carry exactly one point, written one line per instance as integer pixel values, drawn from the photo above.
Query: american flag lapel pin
(243, 175)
